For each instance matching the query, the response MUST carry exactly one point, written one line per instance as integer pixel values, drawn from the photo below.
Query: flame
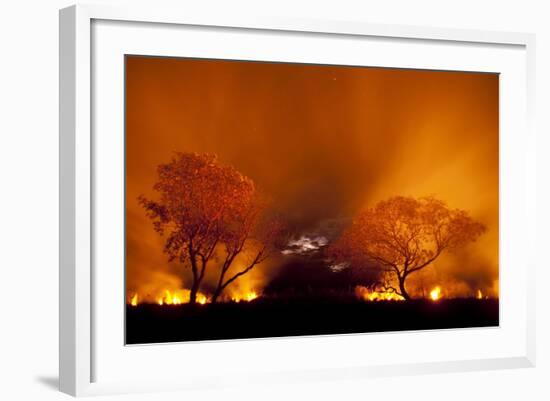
(251, 296)
(479, 294)
(435, 294)
(367, 295)
(178, 297)
(248, 296)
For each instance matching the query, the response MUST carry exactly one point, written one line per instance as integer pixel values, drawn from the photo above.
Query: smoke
(323, 142)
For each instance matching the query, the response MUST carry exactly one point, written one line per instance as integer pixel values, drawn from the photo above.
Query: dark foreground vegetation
(147, 323)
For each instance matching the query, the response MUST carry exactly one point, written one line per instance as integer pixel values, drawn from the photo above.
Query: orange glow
(323, 142)
(435, 294)
(367, 295)
(178, 297)
(248, 296)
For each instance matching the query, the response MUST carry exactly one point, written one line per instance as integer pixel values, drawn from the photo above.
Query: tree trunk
(196, 282)
(216, 295)
(220, 287)
(197, 278)
(402, 288)
(193, 293)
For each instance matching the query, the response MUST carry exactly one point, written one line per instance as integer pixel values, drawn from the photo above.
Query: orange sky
(322, 141)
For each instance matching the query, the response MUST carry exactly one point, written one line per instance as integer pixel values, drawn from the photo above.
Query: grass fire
(279, 199)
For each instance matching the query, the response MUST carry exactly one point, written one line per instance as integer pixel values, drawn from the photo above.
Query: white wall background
(29, 197)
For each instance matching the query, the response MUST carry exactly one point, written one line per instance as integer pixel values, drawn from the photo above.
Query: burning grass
(182, 296)
(366, 294)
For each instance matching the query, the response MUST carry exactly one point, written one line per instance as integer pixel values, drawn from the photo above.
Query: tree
(210, 212)
(403, 235)
(198, 201)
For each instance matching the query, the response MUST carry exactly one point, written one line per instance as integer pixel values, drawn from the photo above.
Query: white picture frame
(78, 163)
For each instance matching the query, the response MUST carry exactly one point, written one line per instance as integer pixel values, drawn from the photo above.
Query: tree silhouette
(403, 235)
(205, 208)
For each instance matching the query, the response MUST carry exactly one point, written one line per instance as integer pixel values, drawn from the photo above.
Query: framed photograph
(271, 200)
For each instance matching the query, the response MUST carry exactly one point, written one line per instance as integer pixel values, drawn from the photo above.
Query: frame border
(75, 175)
